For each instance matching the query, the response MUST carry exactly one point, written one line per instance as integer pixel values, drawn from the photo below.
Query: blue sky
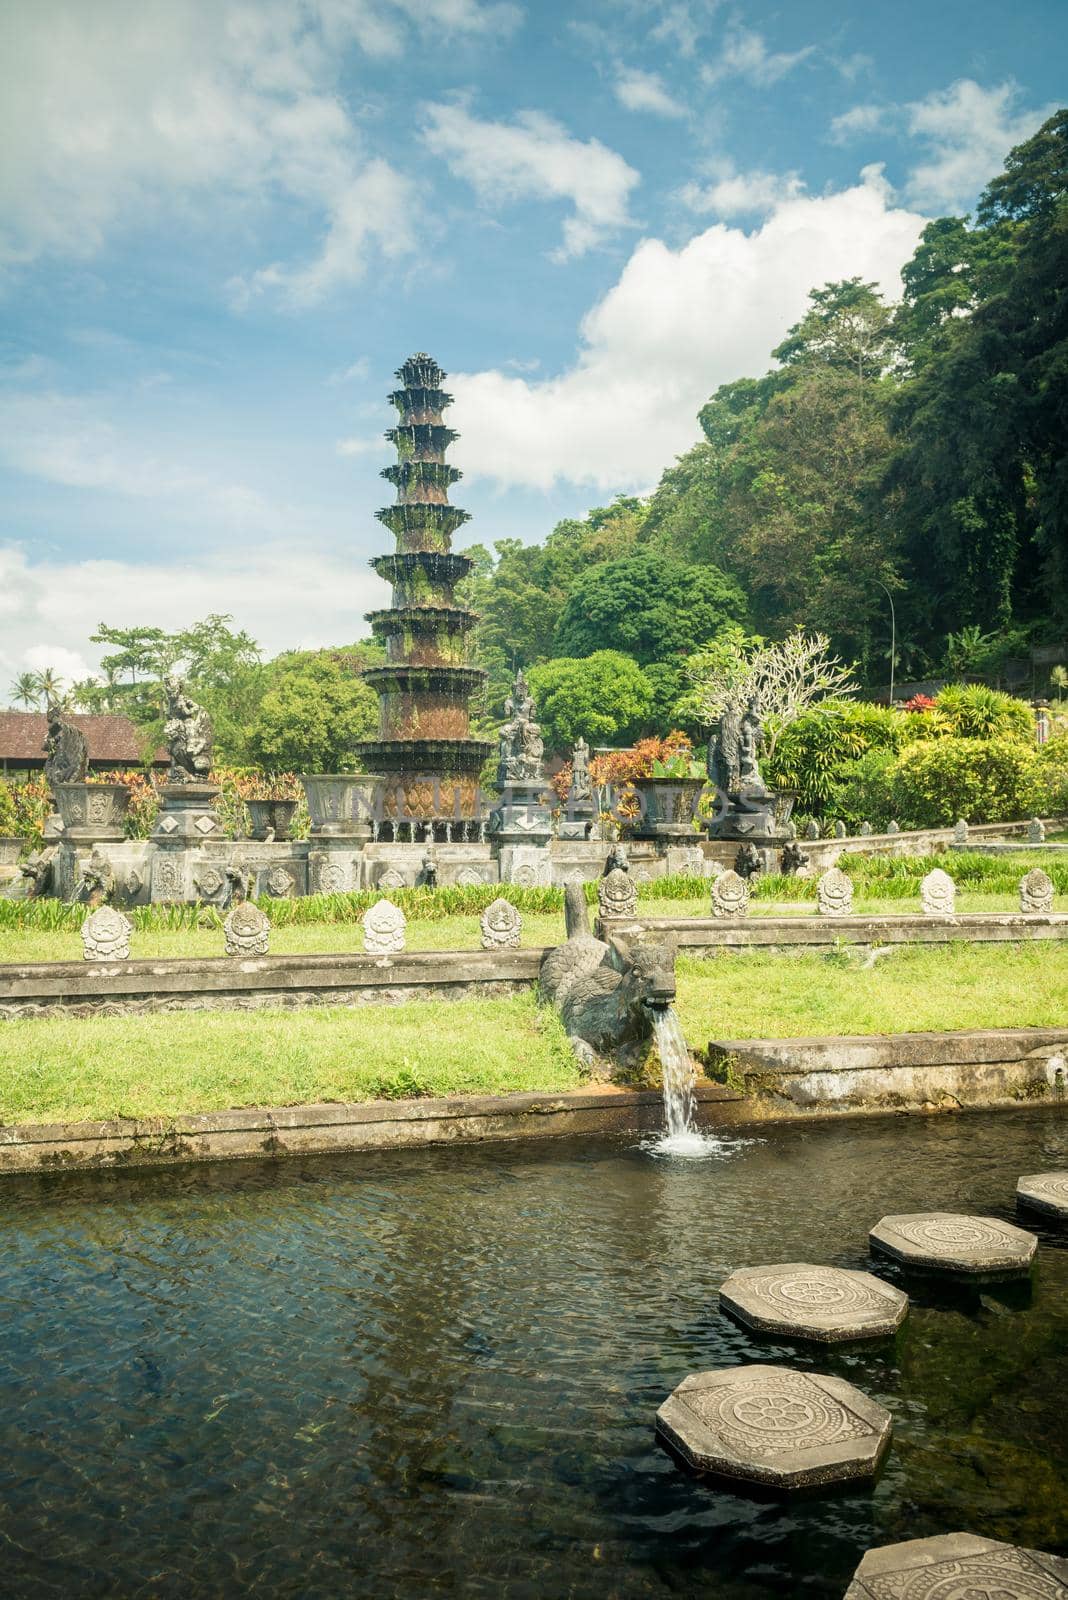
(223, 224)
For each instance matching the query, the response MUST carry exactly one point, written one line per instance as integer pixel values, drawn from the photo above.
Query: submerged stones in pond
(942, 1241)
(958, 1566)
(814, 1302)
(772, 1426)
(1046, 1192)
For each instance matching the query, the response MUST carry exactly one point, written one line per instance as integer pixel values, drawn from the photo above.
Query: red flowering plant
(613, 774)
(919, 702)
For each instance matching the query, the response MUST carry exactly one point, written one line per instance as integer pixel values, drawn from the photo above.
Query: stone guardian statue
(66, 751)
(189, 735)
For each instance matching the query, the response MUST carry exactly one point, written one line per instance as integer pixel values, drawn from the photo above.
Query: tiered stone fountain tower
(424, 751)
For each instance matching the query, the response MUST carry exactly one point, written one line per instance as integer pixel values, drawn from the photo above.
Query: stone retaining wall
(224, 983)
(332, 1129)
(900, 1072)
(756, 932)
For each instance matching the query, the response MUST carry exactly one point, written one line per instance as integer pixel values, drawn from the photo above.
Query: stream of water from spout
(680, 1136)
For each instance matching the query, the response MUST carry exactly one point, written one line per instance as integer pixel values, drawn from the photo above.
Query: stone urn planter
(275, 813)
(668, 807)
(341, 804)
(10, 845)
(93, 813)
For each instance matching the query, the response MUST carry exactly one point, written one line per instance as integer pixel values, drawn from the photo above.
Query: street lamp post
(893, 635)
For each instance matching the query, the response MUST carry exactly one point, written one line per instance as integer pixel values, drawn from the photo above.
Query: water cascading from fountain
(680, 1136)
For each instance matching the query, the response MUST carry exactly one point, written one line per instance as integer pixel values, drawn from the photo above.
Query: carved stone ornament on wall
(501, 926)
(730, 895)
(208, 881)
(246, 931)
(106, 935)
(384, 928)
(280, 883)
(333, 877)
(617, 894)
(469, 878)
(168, 878)
(1036, 892)
(834, 893)
(391, 879)
(938, 894)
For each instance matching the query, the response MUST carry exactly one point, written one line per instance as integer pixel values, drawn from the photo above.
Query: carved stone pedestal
(92, 813)
(187, 815)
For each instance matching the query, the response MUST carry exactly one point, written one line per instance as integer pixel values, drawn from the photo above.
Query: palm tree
(49, 684)
(25, 691)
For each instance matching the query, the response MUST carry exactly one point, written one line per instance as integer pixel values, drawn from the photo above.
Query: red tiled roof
(113, 741)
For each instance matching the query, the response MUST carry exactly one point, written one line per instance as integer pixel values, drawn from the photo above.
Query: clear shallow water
(436, 1373)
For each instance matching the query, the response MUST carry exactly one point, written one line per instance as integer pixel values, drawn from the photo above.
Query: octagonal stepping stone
(811, 1302)
(958, 1566)
(1045, 1191)
(944, 1241)
(771, 1425)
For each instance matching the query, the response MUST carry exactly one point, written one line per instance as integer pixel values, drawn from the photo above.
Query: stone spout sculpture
(189, 735)
(66, 752)
(604, 1009)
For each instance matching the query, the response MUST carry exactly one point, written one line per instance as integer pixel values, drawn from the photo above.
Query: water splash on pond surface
(680, 1136)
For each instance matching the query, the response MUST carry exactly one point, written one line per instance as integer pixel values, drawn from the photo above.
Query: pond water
(436, 1373)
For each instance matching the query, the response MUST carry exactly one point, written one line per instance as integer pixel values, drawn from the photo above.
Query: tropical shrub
(811, 752)
(863, 791)
(972, 711)
(7, 811)
(983, 780)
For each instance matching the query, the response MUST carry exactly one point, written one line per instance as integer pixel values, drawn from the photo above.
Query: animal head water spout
(652, 975)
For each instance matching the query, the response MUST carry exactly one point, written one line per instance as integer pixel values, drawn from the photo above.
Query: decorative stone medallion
(247, 931)
(205, 824)
(840, 830)
(893, 827)
(617, 894)
(730, 895)
(168, 823)
(812, 829)
(208, 881)
(1045, 1191)
(391, 879)
(938, 894)
(1036, 832)
(384, 927)
(280, 883)
(813, 1302)
(834, 893)
(958, 1566)
(944, 1241)
(333, 877)
(469, 878)
(865, 830)
(960, 831)
(1036, 893)
(771, 1425)
(501, 926)
(106, 935)
(168, 877)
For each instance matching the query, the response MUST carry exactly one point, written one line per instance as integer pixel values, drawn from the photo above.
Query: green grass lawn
(70, 1070)
(56, 1070)
(911, 989)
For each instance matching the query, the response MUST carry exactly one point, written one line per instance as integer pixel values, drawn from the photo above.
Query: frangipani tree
(783, 678)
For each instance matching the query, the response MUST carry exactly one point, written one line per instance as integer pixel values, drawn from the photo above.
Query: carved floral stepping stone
(617, 894)
(1045, 1191)
(938, 894)
(834, 893)
(246, 931)
(771, 1425)
(730, 895)
(813, 1302)
(943, 1241)
(958, 1566)
(1036, 893)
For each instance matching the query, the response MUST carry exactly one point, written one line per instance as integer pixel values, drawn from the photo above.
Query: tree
(49, 684)
(847, 326)
(314, 715)
(652, 608)
(785, 679)
(25, 691)
(604, 698)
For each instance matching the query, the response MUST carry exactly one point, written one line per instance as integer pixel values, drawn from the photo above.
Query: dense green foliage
(915, 450)
(605, 699)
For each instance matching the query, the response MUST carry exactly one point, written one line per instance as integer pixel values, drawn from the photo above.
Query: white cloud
(858, 120)
(56, 605)
(676, 325)
(968, 131)
(734, 194)
(534, 157)
(122, 111)
(745, 55)
(645, 91)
